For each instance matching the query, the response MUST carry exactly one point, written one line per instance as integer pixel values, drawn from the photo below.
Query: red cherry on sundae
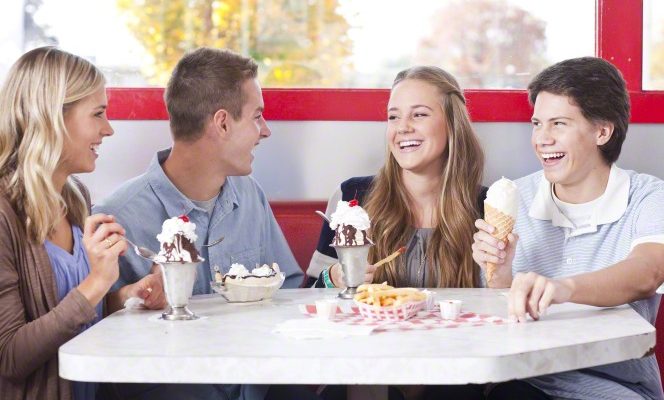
(353, 203)
(184, 218)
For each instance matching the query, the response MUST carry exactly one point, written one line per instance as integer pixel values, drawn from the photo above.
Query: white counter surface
(234, 343)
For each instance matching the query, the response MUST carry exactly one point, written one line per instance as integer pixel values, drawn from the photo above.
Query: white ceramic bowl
(239, 291)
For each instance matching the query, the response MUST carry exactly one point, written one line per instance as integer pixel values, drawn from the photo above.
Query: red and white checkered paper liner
(394, 313)
(423, 320)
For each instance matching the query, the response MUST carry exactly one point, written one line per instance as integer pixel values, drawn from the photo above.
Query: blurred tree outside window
(653, 45)
(487, 44)
(318, 43)
(296, 42)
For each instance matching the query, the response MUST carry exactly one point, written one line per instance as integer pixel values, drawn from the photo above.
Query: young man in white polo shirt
(590, 232)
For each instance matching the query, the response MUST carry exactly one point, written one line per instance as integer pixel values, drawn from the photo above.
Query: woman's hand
(369, 275)
(488, 249)
(337, 275)
(533, 293)
(150, 289)
(103, 242)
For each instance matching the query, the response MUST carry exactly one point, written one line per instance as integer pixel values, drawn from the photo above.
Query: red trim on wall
(498, 105)
(619, 37)
(136, 104)
(647, 108)
(619, 30)
(323, 104)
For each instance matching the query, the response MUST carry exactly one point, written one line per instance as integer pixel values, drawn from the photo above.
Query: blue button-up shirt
(241, 214)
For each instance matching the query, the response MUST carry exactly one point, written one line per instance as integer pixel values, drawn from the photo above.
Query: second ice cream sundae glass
(239, 285)
(178, 259)
(350, 224)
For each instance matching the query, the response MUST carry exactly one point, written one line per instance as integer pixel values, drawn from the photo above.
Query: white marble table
(235, 344)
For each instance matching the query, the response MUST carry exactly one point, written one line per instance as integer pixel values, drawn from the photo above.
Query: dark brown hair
(203, 82)
(597, 88)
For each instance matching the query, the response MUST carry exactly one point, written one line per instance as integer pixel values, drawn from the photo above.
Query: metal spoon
(322, 215)
(142, 251)
(216, 242)
(150, 255)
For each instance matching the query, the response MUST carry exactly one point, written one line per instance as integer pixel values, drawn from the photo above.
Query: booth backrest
(301, 226)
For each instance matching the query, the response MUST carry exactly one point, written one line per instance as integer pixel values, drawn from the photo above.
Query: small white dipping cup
(326, 309)
(450, 309)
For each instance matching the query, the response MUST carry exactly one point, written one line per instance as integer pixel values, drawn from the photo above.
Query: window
(317, 43)
(653, 45)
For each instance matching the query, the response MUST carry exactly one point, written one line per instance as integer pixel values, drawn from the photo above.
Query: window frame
(618, 38)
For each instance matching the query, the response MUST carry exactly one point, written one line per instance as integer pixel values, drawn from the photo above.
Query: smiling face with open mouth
(237, 153)
(87, 125)
(565, 142)
(416, 127)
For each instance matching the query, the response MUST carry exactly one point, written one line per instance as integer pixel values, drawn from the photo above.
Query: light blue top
(69, 271)
(629, 213)
(241, 214)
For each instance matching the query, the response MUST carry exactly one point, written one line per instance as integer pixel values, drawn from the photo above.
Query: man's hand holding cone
(494, 244)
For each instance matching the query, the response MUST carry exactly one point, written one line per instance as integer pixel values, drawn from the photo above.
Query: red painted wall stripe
(647, 107)
(323, 104)
(363, 105)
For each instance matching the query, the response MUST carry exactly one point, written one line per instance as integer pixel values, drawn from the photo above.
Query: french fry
(391, 257)
(383, 295)
(372, 287)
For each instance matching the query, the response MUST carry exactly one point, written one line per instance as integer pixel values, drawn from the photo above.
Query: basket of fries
(386, 303)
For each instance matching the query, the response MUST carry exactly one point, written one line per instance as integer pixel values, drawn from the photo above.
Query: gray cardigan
(33, 325)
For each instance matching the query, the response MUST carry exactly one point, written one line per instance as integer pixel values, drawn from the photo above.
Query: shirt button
(569, 261)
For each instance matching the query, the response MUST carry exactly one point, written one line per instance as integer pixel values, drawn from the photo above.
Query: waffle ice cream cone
(504, 225)
(500, 210)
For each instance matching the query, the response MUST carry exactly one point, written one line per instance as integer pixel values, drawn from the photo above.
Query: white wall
(307, 160)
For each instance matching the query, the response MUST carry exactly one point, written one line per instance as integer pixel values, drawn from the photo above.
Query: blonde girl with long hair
(426, 197)
(56, 262)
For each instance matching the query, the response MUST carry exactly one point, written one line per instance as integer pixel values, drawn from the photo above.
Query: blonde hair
(36, 94)
(449, 252)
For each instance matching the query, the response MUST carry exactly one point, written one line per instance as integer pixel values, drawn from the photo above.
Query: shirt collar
(173, 200)
(610, 207)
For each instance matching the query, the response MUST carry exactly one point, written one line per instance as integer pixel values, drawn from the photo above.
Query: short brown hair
(203, 82)
(597, 88)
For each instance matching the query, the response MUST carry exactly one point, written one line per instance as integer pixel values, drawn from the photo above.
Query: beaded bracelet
(326, 278)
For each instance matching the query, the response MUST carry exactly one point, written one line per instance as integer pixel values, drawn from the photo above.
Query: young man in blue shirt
(215, 107)
(590, 232)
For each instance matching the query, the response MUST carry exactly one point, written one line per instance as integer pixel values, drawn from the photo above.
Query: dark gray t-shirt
(414, 275)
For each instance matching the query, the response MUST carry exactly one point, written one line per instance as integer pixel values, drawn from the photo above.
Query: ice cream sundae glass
(239, 285)
(178, 259)
(350, 224)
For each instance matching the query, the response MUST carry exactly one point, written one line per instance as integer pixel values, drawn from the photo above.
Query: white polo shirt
(630, 212)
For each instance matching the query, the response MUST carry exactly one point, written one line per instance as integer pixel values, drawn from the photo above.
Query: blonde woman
(426, 197)
(56, 262)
